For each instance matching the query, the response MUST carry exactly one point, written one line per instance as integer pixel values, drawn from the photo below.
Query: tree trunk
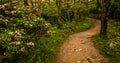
(104, 21)
(78, 11)
(67, 10)
(105, 5)
(58, 3)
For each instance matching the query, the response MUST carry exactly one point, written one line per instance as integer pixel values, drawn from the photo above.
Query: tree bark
(58, 3)
(104, 21)
(105, 5)
(67, 10)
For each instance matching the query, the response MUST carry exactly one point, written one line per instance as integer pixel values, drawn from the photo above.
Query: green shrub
(37, 43)
(27, 38)
(110, 47)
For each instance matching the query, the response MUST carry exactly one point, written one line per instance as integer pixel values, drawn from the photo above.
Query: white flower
(6, 20)
(14, 7)
(15, 43)
(1, 19)
(2, 6)
(22, 49)
(1, 16)
(4, 53)
(49, 31)
(35, 20)
(30, 44)
(26, 24)
(28, 8)
(46, 24)
(89, 0)
(18, 33)
(13, 12)
(17, 36)
(18, 43)
(5, 4)
(30, 25)
(11, 33)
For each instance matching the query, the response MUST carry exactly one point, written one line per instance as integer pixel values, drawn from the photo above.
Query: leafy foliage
(110, 47)
(28, 38)
(115, 10)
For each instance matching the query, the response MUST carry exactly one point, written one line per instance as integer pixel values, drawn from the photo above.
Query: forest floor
(79, 48)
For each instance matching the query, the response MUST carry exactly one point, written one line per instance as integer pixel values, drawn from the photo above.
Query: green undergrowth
(58, 36)
(111, 47)
(34, 40)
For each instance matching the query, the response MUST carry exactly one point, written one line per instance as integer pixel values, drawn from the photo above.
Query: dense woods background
(31, 30)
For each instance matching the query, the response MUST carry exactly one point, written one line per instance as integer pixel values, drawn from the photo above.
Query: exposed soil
(78, 48)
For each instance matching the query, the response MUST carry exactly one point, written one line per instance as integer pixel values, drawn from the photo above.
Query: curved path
(78, 48)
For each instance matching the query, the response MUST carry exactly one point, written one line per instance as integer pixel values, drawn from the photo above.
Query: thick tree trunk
(105, 5)
(104, 21)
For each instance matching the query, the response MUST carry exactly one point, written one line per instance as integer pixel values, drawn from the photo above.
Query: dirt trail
(78, 48)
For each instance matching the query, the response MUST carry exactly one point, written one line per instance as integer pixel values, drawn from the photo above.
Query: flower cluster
(18, 33)
(30, 44)
(3, 20)
(13, 12)
(47, 24)
(30, 25)
(15, 33)
(11, 33)
(4, 6)
(22, 49)
(28, 9)
(49, 32)
(15, 43)
(18, 43)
